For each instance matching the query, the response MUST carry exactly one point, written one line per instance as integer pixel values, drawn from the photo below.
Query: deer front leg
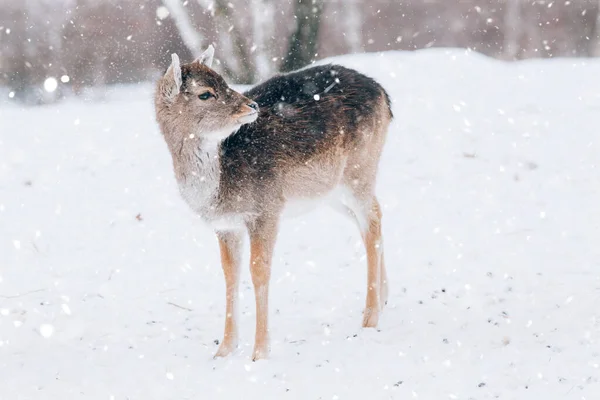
(230, 244)
(262, 241)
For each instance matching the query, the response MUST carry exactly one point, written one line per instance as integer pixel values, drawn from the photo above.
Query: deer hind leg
(384, 293)
(376, 273)
(230, 244)
(262, 240)
(367, 215)
(383, 280)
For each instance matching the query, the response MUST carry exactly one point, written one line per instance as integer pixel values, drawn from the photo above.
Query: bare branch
(178, 306)
(192, 38)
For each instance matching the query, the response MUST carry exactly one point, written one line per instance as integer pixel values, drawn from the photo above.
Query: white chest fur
(200, 186)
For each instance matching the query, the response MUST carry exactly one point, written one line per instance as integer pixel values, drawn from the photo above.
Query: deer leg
(383, 282)
(368, 220)
(384, 293)
(262, 241)
(376, 275)
(230, 244)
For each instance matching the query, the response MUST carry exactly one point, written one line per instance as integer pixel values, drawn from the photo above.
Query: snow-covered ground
(110, 288)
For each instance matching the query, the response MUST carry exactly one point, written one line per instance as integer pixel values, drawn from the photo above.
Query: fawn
(239, 159)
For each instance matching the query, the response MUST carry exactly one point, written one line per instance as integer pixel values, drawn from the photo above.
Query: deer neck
(192, 156)
(196, 161)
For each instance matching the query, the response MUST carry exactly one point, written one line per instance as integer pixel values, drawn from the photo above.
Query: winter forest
(99, 42)
(299, 199)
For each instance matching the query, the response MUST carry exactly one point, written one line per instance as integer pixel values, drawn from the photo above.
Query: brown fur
(318, 129)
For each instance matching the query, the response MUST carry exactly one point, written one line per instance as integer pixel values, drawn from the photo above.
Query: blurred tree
(97, 42)
(352, 25)
(595, 34)
(263, 28)
(303, 41)
(16, 66)
(241, 60)
(512, 29)
(235, 57)
(192, 37)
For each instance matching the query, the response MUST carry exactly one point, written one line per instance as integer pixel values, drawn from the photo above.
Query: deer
(315, 134)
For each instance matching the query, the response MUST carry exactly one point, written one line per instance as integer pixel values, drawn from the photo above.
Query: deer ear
(206, 58)
(171, 84)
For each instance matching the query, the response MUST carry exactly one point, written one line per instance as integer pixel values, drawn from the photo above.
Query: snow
(50, 84)
(110, 288)
(46, 330)
(162, 12)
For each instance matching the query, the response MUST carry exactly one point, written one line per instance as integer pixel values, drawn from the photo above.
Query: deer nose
(253, 105)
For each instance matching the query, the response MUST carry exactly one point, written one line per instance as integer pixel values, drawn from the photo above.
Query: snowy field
(110, 288)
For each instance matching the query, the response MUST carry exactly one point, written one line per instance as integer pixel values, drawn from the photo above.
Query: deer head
(196, 100)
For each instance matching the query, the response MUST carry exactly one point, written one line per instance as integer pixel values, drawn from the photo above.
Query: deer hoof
(370, 318)
(225, 349)
(260, 353)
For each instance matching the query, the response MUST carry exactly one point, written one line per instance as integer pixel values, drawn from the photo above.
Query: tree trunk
(512, 29)
(595, 36)
(353, 24)
(263, 26)
(242, 71)
(230, 38)
(532, 32)
(303, 41)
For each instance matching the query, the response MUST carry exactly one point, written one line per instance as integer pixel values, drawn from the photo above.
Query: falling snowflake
(50, 84)
(162, 12)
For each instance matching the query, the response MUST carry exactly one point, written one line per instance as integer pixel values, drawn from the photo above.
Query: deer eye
(205, 96)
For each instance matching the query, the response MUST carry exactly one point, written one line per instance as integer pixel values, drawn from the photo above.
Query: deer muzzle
(250, 112)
